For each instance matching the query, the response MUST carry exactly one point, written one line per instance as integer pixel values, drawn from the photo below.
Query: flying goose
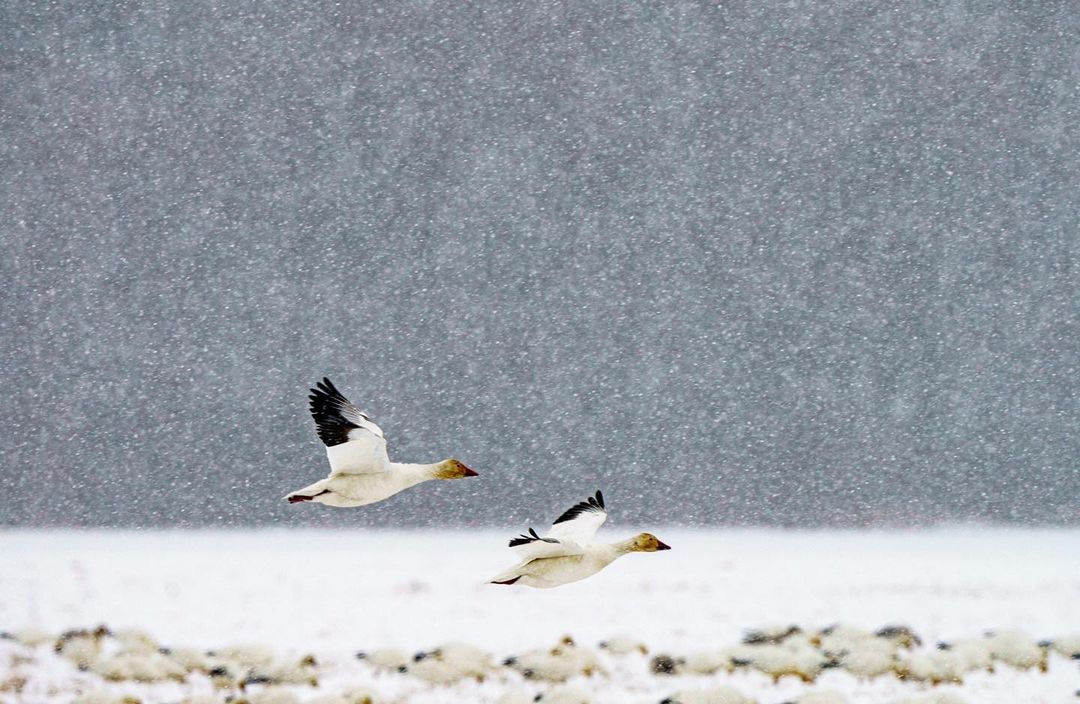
(360, 471)
(567, 553)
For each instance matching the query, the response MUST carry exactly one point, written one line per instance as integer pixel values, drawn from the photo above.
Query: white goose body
(1017, 649)
(350, 490)
(1067, 646)
(557, 571)
(451, 662)
(706, 662)
(361, 472)
(557, 664)
(567, 554)
(623, 644)
(385, 659)
(716, 695)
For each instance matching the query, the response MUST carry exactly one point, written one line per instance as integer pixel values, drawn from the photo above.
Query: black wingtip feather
(532, 537)
(594, 503)
(325, 403)
(524, 539)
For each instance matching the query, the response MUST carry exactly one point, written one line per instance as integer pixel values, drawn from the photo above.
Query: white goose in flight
(567, 553)
(360, 471)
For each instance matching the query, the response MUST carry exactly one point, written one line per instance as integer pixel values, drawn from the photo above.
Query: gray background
(801, 263)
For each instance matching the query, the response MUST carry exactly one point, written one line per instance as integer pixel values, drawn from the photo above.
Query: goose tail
(507, 576)
(308, 493)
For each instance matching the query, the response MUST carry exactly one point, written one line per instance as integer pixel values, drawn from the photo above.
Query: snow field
(331, 594)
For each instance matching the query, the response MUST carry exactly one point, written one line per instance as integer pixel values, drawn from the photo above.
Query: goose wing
(530, 546)
(354, 444)
(580, 522)
(569, 535)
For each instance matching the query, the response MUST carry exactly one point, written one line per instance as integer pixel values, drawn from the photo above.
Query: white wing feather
(569, 535)
(354, 444)
(579, 530)
(537, 549)
(580, 522)
(364, 453)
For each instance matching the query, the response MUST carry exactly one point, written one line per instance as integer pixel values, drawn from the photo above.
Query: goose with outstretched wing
(361, 472)
(567, 552)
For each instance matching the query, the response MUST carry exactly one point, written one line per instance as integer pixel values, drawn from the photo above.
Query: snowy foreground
(331, 594)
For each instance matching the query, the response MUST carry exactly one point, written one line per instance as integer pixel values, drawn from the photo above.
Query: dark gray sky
(810, 263)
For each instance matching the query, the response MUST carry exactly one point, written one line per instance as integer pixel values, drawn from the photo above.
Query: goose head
(647, 542)
(453, 469)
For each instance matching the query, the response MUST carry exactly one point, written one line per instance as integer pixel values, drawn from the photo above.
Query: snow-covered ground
(333, 593)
